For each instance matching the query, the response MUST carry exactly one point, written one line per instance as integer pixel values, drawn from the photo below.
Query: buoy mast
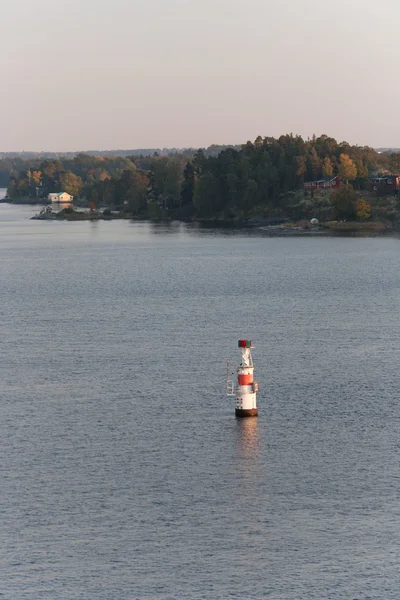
(247, 388)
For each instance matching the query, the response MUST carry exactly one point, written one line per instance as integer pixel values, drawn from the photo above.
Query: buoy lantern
(247, 388)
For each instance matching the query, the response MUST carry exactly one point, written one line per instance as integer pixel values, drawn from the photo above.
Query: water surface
(124, 474)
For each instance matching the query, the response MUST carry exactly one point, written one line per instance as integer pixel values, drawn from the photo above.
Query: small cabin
(61, 198)
(389, 183)
(323, 183)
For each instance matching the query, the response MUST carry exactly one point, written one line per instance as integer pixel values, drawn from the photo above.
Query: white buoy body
(246, 389)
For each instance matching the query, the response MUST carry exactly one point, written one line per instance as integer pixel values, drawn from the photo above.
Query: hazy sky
(107, 74)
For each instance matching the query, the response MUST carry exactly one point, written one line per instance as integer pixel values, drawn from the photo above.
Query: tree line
(260, 178)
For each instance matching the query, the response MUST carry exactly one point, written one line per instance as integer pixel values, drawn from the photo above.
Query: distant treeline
(260, 178)
(12, 163)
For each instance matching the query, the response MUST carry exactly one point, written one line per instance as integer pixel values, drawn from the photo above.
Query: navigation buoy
(246, 388)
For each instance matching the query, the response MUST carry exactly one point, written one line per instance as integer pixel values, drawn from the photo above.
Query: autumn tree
(394, 162)
(71, 183)
(362, 169)
(104, 175)
(315, 163)
(301, 165)
(363, 211)
(21, 188)
(36, 177)
(347, 168)
(327, 167)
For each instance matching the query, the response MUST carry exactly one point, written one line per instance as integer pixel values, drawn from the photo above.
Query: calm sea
(124, 473)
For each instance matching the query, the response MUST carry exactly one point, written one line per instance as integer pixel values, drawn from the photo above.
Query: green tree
(206, 195)
(132, 191)
(344, 202)
(107, 193)
(248, 197)
(188, 185)
(361, 182)
(199, 162)
(165, 179)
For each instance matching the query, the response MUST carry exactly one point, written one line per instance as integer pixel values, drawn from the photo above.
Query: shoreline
(263, 225)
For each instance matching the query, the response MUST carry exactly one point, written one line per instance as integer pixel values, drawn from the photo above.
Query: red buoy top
(244, 343)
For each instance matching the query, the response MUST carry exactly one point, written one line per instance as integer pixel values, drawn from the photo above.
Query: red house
(389, 183)
(323, 183)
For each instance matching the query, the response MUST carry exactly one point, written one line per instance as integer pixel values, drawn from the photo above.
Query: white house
(61, 198)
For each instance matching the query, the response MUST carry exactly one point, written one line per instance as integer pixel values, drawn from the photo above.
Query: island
(276, 183)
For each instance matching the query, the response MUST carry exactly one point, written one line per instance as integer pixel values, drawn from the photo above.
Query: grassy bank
(356, 226)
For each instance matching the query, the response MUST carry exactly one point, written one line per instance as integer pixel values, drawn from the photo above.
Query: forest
(260, 179)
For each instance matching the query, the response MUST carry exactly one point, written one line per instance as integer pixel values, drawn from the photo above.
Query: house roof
(322, 179)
